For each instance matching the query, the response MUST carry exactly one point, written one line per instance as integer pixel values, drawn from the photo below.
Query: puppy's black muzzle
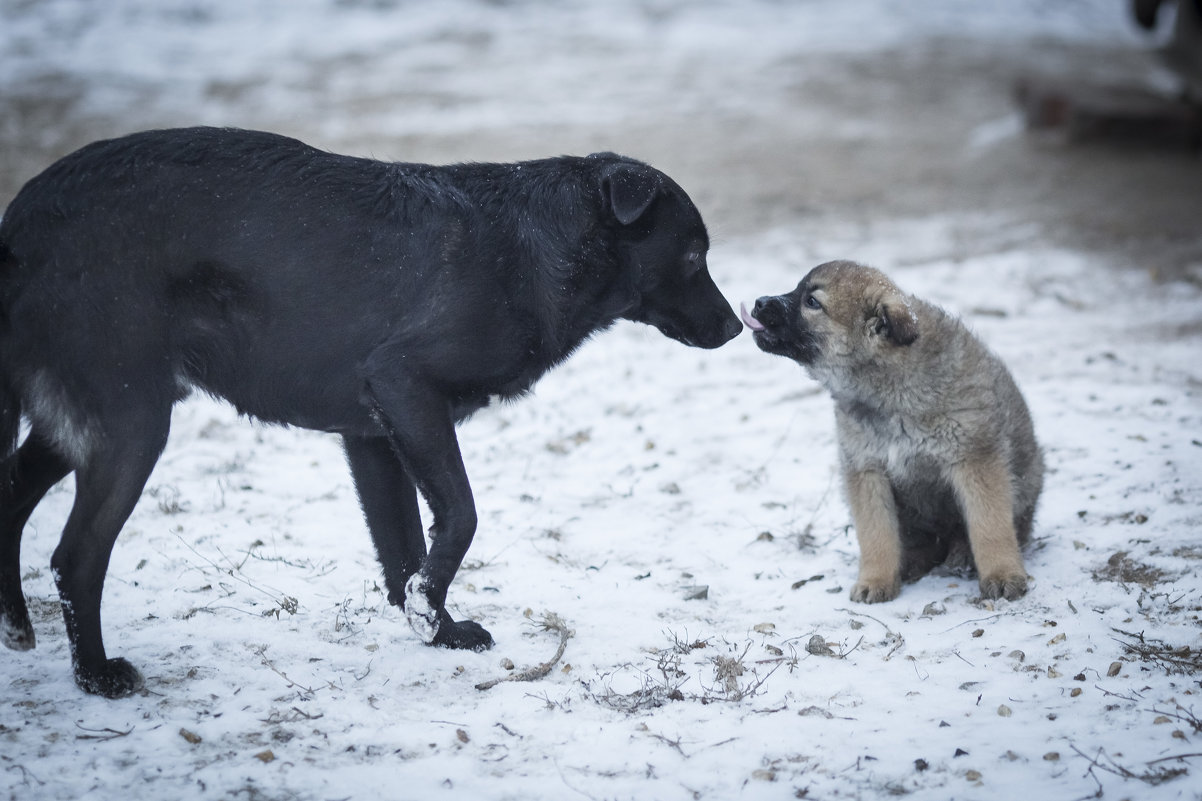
(771, 310)
(782, 333)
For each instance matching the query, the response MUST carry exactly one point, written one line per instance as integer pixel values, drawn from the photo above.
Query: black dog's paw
(462, 635)
(17, 635)
(117, 679)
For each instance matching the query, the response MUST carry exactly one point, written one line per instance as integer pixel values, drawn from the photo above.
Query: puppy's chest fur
(905, 419)
(900, 444)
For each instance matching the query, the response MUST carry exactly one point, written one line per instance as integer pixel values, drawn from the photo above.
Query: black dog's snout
(733, 328)
(770, 310)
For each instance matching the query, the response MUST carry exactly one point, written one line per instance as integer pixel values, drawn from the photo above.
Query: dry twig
(550, 622)
(1153, 777)
(101, 734)
(1183, 659)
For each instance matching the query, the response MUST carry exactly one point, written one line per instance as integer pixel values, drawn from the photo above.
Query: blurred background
(1064, 117)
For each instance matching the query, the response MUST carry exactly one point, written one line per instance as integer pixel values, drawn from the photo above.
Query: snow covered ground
(676, 510)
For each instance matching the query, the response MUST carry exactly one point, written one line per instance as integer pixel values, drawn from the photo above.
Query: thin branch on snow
(550, 622)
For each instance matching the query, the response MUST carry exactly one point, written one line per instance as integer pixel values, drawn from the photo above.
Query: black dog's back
(288, 252)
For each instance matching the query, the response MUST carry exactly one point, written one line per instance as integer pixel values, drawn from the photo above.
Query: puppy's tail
(10, 401)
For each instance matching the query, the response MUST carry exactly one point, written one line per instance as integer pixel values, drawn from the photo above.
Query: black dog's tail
(10, 401)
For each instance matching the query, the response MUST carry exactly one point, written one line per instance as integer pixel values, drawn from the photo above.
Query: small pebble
(1115, 667)
(817, 646)
(1004, 711)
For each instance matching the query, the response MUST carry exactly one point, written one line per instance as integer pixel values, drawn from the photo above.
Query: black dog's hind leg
(389, 502)
(418, 420)
(25, 476)
(107, 488)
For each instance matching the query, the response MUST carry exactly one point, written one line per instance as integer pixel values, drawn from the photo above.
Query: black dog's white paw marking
(422, 617)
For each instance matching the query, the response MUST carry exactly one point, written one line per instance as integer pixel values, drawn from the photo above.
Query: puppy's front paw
(1010, 586)
(875, 592)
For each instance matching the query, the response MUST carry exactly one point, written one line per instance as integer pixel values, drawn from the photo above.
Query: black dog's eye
(812, 302)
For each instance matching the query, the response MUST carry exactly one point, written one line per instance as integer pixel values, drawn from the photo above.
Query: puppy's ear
(896, 321)
(629, 189)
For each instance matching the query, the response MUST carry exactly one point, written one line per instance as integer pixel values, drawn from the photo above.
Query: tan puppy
(936, 444)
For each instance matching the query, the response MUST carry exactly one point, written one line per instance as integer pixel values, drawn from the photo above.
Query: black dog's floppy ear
(629, 190)
(896, 320)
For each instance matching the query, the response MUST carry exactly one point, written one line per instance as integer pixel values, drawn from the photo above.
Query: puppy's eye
(812, 302)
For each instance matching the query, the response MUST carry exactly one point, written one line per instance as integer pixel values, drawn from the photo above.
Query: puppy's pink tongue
(748, 320)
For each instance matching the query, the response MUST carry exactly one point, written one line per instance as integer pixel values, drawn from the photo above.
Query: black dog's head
(661, 244)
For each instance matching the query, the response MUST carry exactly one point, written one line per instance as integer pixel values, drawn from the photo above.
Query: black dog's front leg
(419, 425)
(389, 502)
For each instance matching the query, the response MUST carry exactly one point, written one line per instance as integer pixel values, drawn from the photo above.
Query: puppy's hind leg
(983, 488)
(107, 487)
(874, 513)
(25, 476)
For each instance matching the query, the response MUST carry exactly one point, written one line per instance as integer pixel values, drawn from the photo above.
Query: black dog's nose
(770, 310)
(733, 328)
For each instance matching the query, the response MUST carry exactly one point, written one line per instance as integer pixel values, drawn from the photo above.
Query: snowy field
(677, 512)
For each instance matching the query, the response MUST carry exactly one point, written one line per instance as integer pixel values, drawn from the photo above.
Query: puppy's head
(662, 244)
(841, 316)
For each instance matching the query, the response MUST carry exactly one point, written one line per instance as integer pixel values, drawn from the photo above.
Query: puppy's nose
(770, 310)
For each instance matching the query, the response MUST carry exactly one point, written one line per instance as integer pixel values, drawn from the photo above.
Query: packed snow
(664, 552)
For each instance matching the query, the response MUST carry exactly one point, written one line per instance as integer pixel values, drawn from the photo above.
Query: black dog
(384, 302)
